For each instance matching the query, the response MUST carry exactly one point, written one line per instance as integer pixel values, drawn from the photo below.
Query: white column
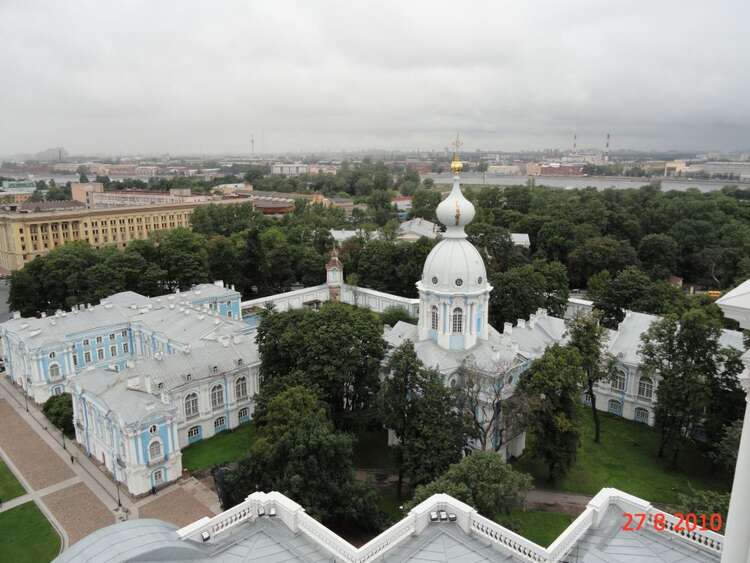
(737, 533)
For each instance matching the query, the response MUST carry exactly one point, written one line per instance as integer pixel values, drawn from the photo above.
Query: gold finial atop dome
(456, 164)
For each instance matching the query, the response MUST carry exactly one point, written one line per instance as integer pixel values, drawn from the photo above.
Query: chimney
(507, 328)
(17, 315)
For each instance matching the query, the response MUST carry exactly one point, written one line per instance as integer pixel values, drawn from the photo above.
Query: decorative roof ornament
(456, 164)
(455, 211)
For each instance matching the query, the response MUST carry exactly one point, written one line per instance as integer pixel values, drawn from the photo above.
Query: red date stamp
(685, 522)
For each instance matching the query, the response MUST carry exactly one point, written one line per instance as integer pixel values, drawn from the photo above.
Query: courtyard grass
(226, 447)
(626, 459)
(9, 485)
(540, 527)
(27, 536)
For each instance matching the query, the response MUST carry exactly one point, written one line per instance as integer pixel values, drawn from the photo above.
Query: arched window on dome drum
(458, 320)
(434, 317)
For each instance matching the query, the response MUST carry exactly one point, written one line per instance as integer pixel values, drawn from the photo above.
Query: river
(599, 182)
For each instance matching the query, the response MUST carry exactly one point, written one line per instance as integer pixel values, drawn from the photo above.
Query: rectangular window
(112, 336)
(113, 351)
(87, 357)
(124, 333)
(75, 360)
(125, 348)
(100, 353)
(98, 339)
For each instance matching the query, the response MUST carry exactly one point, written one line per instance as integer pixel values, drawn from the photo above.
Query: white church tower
(454, 292)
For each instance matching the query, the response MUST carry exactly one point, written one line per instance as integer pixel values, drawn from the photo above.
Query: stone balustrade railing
(704, 539)
(508, 541)
(468, 519)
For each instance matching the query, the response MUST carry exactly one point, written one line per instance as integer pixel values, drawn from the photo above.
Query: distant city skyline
(199, 78)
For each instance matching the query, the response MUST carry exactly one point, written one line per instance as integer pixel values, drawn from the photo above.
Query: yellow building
(24, 236)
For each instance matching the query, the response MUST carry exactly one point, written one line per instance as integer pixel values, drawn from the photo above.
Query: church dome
(454, 265)
(455, 212)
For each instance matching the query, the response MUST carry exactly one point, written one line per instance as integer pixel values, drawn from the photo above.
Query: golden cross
(457, 144)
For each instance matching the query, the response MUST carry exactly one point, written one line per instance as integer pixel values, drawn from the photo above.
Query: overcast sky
(203, 76)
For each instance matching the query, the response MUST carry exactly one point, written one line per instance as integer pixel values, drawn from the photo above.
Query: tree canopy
(338, 349)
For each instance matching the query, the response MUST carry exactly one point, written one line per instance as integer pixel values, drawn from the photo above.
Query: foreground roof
(273, 528)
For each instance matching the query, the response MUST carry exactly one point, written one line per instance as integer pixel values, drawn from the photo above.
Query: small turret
(334, 275)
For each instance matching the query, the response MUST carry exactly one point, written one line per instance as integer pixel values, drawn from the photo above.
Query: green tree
(589, 337)
(424, 203)
(183, 255)
(658, 254)
(704, 502)
(439, 432)
(632, 289)
(553, 386)
(684, 352)
(59, 411)
(482, 480)
(518, 293)
(597, 254)
(725, 452)
(392, 315)
(299, 453)
(339, 349)
(398, 399)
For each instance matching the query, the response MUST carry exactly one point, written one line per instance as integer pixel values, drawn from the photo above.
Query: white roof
(177, 316)
(419, 227)
(454, 265)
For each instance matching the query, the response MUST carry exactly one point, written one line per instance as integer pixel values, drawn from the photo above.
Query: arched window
(458, 320)
(154, 450)
(54, 371)
(191, 405)
(240, 388)
(645, 388)
(220, 424)
(619, 381)
(641, 415)
(434, 317)
(217, 396)
(615, 407)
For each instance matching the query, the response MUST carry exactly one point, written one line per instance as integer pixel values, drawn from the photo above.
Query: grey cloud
(197, 76)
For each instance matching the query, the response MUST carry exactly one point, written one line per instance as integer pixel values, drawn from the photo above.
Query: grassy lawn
(626, 459)
(225, 447)
(27, 536)
(541, 527)
(9, 485)
(389, 503)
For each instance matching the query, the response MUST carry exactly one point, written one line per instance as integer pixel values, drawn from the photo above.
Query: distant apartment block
(504, 169)
(93, 196)
(16, 191)
(553, 169)
(295, 169)
(26, 235)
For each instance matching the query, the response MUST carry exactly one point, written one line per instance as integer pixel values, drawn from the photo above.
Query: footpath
(74, 492)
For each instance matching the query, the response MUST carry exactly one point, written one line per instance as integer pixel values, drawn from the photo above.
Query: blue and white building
(147, 375)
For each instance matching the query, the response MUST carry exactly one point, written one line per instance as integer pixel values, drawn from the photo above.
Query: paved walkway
(77, 496)
(555, 501)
